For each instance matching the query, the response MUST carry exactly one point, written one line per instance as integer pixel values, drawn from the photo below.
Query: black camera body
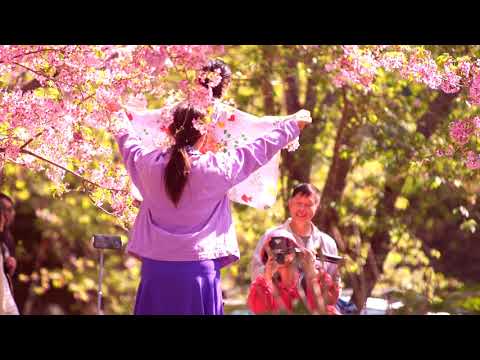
(281, 247)
(333, 259)
(112, 242)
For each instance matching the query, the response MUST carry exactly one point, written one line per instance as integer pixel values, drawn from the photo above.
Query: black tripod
(102, 242)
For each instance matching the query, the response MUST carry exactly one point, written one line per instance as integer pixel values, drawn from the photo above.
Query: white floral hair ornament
(211, 78)
(202, 124)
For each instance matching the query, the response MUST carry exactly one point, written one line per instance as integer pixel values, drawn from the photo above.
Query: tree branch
(379, 242)
(28, 152)
(35, 52)
(311, 96)
(30, 140)
(39, 73)
(104, 210)
(292, 101)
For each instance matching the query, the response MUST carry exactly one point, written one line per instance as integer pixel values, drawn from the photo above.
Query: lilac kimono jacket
(201, 227)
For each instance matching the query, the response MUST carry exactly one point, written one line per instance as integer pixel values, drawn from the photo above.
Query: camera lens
(280, 258)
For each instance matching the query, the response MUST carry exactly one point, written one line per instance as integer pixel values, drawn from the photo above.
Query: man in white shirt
(302, 206)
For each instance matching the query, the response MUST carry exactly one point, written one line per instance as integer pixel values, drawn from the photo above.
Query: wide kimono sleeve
(244, 160)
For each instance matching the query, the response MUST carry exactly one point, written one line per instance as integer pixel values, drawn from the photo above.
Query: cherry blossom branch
(104, 210)
(30, 140)
(28, 152)
(36, 52)
(99, 206)
(175, 66)
(40, 74)
(85, 99)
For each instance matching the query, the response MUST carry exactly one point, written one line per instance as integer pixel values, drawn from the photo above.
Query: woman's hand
(303, 118)
(308, 263)
(270, 267)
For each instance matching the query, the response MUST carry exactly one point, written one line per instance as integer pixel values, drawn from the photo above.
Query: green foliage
(55, 252)
(434, 220)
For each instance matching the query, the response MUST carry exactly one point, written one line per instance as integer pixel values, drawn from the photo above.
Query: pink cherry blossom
(59, 103)
(65, 118)
(473, 160)
(461, 131)
(475, 90)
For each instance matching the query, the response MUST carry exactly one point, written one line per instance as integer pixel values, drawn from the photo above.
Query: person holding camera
(302, 206)
(184, 233)
(291, 275)
(7, 302)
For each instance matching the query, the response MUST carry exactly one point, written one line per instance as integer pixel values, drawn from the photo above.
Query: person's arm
(335, 274)
(260, 297)
(331, 287)
(129, 144)
(243, 161)
(330, 247)
(327, 288)
(256, 265)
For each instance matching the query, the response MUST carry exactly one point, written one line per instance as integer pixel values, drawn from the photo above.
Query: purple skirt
(179, 288)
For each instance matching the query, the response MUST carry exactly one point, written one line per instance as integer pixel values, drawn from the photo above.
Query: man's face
(9, 212)
(302, 208)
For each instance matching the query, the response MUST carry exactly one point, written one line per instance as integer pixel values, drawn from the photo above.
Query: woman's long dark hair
(225, 73)
(185, 134)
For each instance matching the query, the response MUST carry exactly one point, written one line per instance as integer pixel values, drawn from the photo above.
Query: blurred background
(406, 220)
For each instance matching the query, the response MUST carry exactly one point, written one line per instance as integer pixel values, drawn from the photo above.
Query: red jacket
(261, 298)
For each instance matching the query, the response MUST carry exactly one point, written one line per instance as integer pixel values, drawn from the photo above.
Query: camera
(333, 259)
(107, 242)
(281, 247)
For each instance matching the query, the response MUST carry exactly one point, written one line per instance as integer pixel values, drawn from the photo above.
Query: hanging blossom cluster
(355, 66)
(359, 66)
(202, 97)
(462, 130)
(57, 101)
(474, 92)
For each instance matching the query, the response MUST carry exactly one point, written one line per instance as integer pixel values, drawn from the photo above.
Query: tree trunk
(326, 217)
(297, 166)
(266, 80)
(438, 110)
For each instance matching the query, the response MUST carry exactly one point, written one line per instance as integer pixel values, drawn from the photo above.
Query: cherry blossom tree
(57, 102)
(56, 106)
